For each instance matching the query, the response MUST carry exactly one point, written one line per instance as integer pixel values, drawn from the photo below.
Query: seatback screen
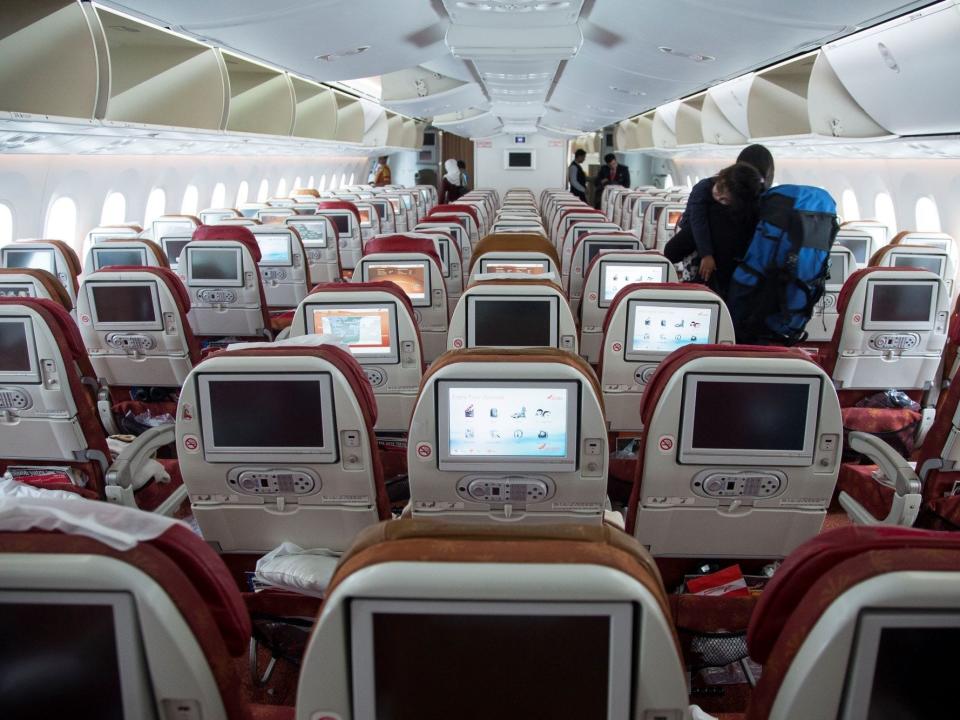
(312, 231)
(123, 303)
(512, 323)
(129, 256)
(274, 249)
(933, 263)
(616, 276)
(381, 209)
(901, 302)
(215, 264)
(341, 222)
(859, 246)
(14, 348)
(41, 259)
(410, 276)
(740, 415)
(173, 248)
(673, 217)
(266, 414)
(654, 328)
(364, 217)
(365, 330)
(837, 272)
(593, 248)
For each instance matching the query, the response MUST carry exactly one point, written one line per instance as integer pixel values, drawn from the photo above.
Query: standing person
(451, 188)
(382, 176)
(612, 173)
(464, 178)
(576, 177)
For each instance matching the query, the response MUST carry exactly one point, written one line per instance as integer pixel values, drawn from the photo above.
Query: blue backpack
(783, 274)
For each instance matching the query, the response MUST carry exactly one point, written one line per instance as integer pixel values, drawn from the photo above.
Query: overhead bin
(904, 73)
(831, 108)
(261, 98)
(665, 125)
(316, 111)
(158, 78)
(53, 59)
(350, 125)
(394, 130)
(635, 133)
(723, 118)
(777, 103)
(689, 125)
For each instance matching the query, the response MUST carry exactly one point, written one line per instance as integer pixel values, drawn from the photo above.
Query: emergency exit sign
(520, 139)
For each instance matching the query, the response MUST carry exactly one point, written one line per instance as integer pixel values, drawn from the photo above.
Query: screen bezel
(363, 610)
(201, 247)
(568, 463)
(392, 357)
(185, 239)
(47, 251)
(486, 261)
(157, 323)
(97, 250)
(858, 685)
(288, 238)
(870, 324)
(295, 220)
(631, 355)
(689, 455)
(32, 375)
(940, 257)
(471, 325)
(327, 454)
(621, 246)
(602, 266)
(427, 284)
(135, 691)
(369, 222)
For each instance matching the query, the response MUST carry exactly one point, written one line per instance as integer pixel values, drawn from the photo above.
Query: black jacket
(621, 178)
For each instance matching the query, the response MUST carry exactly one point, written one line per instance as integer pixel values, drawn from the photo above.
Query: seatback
(401, 218)
(23, 282)
(515, 435)
(651, 220)
(321, 243)
(249, 210)
(638, 205)
(451, 260)
(576, 619)
(467, 212)
(667, 223)
(607, 275)
(823, 322)
(937, 260)
(274, 215)
(513, 313)
(459, 234)
(525, 251)
(54, 256)
(567, 218)
(172, 246)
(48, 410)
(283, 266)
(482, 216)
(385, 213)
(110, 232)
(877, 230)
(375, 322)
(142, 612)
(346, 219)
(938, 240)
(739, 454)
(219, 268)
(133, 321)
(860, 242)
(144, 253)
(585, 250)
(856, 620)
(415, 267)
(173, 225)
(276, 445)
(645, 323)
(891, 330)
(369, 221)
(214, 216)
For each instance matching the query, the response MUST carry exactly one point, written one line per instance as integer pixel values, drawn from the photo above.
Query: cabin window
(928, 217)
(333, 181)
(849, 205)
(296, 182)
(156, 206)
(885, 212)
(242, 193)
(353, 177)
(282, 188)
(310, 182)
(191, 200)
(668, 181)
(343, 180)
(219, 197)
(689, 184)
(114, 209)
(264, 192)
(61, 220)
(6, 224)
(323, 182)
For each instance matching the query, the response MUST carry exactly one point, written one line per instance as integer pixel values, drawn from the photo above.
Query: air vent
(696, 57)
(330, 57)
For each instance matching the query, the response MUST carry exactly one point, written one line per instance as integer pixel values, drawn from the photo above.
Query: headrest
(446, 218)
(880, 254)
(455, 208)
(338, 205)
(652, 255)
(515, 242)
(167, 276)
(50, 283)
(517, 355)
(688, 353)
(526, 282)
(815, 558)
(70, 255)
(58, 319)
(359, 287)
(387, 244)
(338, 357)
(54, 526)
(305, 191)
(237, 233)
(159, 256)
(628, 289)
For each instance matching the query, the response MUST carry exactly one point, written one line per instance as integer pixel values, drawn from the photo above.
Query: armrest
(906, 484)
(124, 471)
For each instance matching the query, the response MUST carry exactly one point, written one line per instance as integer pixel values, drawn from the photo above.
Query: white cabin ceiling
(566, 66)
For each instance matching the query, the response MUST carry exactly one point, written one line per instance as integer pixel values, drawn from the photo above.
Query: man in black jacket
(612, 173)
(576, 177)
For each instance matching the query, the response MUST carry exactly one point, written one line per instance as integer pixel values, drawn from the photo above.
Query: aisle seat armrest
(897, 473)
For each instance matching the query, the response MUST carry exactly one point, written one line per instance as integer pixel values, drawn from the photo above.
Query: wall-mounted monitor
(173, 246)
(368, 329)
(933, 263)
(30, 258)
(656, 328)
(313, 230)
(503, 265)
(519, 160)
(214, 266)
(18, 351)
(617, 274)
(592, 248)
(517, 322)
(90, 641)
(900, 305)
(565, 660)
(776, 426)
(124, 305)
(413, 277)
(268, 417)
(106, 256)
(275, 248)
(508, 425)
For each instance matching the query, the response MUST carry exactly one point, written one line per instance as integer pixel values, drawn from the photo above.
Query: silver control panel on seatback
(514, 489)
(742, 484)
(273, 481)
(895, 341)
(130, 341)
(217, 296)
